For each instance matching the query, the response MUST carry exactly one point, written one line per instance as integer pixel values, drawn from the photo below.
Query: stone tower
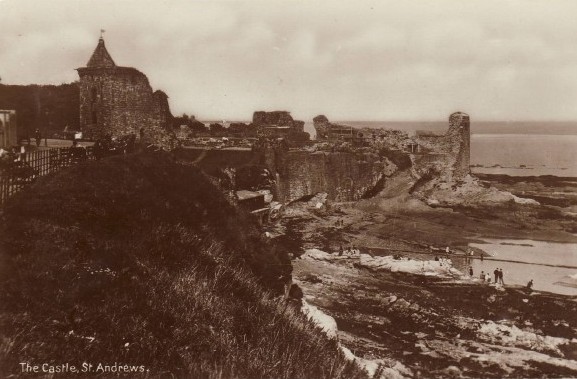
(460, 135)
(118, 101)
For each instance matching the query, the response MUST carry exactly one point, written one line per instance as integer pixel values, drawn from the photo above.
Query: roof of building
(160, 93)
(100, 57)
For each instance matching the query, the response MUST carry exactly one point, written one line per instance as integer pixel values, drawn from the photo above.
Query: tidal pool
(551, 265)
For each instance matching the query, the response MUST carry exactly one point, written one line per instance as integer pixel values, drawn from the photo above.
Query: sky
(513, 60)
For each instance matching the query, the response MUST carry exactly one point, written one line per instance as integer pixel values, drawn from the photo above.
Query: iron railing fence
(16, 172)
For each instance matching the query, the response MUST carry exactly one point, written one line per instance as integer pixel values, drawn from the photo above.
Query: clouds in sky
(375, 60)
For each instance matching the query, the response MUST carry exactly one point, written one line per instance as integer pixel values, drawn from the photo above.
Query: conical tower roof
(100, 57)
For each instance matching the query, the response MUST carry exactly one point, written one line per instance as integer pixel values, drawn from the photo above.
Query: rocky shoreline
(399, 310)
(440, 327)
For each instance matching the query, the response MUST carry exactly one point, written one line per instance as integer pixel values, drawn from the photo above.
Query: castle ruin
(119, 101)
(279, 124)
(449, 153)
(347, 169)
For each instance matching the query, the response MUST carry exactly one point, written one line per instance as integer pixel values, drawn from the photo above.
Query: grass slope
(140, 261)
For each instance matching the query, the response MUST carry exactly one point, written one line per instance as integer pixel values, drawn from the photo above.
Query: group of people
(486, 277)
(444, 261)
(352, 251)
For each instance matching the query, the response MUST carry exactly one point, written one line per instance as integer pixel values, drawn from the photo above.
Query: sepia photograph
(288, 189)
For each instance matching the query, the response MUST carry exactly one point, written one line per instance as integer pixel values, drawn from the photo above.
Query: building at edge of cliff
(332, 132)
(449, 153)
(279, 124)
(119, 101)
(8, 129)
(460, 133)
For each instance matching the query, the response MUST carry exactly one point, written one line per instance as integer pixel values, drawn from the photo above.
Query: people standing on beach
(482, 276)
(481, 257)
(341, 251)
(471, 271)
(496, 272)
(488, 277)
(447, 250)
(530, 285)
(501, 276)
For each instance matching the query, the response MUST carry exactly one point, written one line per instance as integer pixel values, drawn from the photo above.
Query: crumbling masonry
(118, 101)
(449, 154)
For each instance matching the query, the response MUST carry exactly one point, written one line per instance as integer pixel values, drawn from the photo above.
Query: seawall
(344, 176)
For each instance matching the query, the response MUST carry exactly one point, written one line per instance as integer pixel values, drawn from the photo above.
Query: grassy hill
(140, 261)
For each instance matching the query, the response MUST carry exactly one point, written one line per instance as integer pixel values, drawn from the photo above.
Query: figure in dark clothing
(38, 137)
(295, 296)
(341, 251)
(501, 276)
(530, 285)
(496, 272)
(98, 149)
(471, 271)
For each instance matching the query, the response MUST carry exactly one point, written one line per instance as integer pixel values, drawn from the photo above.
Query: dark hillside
(141, 261)
(48, 108)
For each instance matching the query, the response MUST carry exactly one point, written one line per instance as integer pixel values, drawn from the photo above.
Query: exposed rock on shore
(440, 327)
(469, 193)
(392, 301)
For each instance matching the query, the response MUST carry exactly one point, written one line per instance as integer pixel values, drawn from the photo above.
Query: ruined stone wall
(343, 176)
(279, 118)
(448, 154)
(459, 135)
(120, 101)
